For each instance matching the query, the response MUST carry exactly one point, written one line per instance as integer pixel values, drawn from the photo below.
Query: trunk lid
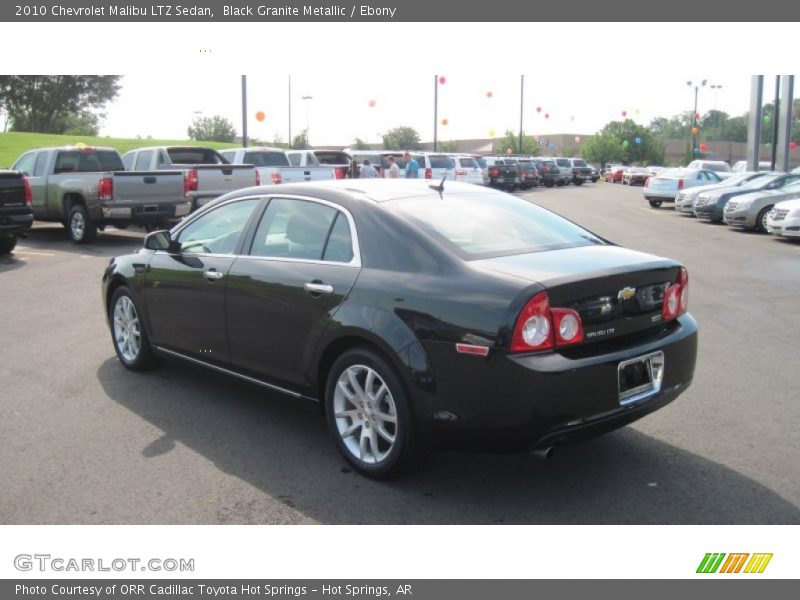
(12, 189)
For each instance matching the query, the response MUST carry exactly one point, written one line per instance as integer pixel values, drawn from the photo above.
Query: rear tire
(7, 243)
(761, 219)
(369, 415)
(655, 203)
(577, 182)
(80, 229)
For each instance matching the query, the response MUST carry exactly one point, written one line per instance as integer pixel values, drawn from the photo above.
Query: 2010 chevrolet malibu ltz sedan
(419, 315)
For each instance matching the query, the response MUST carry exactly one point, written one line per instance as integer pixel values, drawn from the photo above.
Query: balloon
(624, 113)
(703, 147)
(577, 139)
(695, 131)
(538, 109)
(260, 116)
(793, 145)
(442, 79)
(491, 133)
(445, 121)
(766, 118)
(624, 143)
(552, 146)
(697, 149)
(546, 115)
(696, 115)
(488, 94)
(637, 139)
(637, 111)
(372, 103)
(509, 151)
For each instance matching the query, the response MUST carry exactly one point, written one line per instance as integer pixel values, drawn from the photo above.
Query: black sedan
(418, 315)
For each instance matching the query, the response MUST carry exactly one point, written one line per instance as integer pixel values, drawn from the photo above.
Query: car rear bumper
(520, 402)
(784, 227)
(663, 195)
(143, 212)
(15, 222)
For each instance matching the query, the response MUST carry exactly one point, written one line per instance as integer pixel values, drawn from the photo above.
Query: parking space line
(26, 251)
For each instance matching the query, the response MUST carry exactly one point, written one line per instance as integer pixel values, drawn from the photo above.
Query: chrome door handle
(318, 288)
(213, 275)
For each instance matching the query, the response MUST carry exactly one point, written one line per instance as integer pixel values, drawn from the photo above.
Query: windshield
(758, 182)
(579, 163)
(485, 225)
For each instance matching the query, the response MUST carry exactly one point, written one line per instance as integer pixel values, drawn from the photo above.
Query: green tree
(81, 124)
(530, 147)
(451, 146)
(300, 141)
(602, 149)
(359, 144)
(43, 103)
(401, 138)
(212, 129)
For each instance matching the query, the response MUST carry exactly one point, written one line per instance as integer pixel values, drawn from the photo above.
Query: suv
(565, 168)
(16, 214)
(503, 172)
(581, 171)
(432, 165)
(529, 175)
(468, 170)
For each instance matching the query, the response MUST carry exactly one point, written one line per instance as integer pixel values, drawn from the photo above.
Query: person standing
(367, 170)
(394, 170)
(412, 167)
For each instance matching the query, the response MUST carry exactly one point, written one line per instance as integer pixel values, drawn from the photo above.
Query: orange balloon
(260, 116)
(695, 131)
(445, 121)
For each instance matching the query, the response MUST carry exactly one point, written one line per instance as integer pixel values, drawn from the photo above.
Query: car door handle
(316, 287)
(213, 275)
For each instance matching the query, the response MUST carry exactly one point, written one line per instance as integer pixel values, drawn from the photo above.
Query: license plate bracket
(640, 378)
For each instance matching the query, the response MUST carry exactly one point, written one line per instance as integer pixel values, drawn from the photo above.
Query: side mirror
(161, 240)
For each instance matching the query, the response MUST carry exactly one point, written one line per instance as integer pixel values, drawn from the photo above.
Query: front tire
(7, 243)
(81, 230)
(655, 203)
(369, 415)
(761, 219)
(128, 333)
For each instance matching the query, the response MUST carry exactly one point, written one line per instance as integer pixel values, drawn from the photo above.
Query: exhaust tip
(546, 452)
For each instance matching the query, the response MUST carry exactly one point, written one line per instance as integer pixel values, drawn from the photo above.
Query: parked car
(684, 201)
(565, 168)
(503, 172)
(208, 174)
(666, 186)
(749, 211)
(710, 206)
(16, 214)
(468, 170)
(784, 219)
(741, 166)
(614, 174)
(273, 165)
(635, 176)
(339, 160)
(656, 169)
(86, 188)
(720, 167)
(432, 165)
(528, 174)
(549, 173)
(581, 171)
(484, 168)
(417, 315)
(595, 173)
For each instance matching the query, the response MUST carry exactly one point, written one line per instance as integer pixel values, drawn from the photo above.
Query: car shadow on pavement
(111, 242)
(281, 447)
(9, 262)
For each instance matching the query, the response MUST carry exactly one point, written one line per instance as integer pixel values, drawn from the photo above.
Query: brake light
(494, 172)
(461, 173)
(533, 330)
(258, 177)
(106, 191)
(190, 182)
(428, 173)
(567, 326)
(340, 173)
(276, 177)
(680, 184)
(647, 182)
(676, 297)
(28, 193)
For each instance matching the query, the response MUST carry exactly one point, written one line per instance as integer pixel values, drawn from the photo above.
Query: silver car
(684, 201)
(784, 219)
(750, 211)
(666, 186)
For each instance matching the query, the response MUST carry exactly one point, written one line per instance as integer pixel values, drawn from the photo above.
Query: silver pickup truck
(208, 174)
(273, 165)
(87, 188)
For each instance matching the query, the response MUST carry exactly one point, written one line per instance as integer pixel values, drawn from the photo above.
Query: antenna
(439, 188)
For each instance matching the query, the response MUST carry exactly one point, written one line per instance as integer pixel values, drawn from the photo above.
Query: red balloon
(442, 79)
(793, 145)
(546, 115)
(624, 113)
(372, 103)
(488, 94)
(538, 109)
(703, 147)
(696, 115)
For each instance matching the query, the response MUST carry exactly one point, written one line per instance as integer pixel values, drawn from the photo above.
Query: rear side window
(229, 156)
(442, 162)
(266, 159)
(143, 160)
(340, 244)
(293, 229)
(25, 163)
(127, 160)
(294, 159)
(579, 163)
(41, 164)
(563, 162)
(481, 162)
(468, 163)
(87, 161)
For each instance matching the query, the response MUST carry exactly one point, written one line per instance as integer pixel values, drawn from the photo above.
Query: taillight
(540, 327)
(676, 297)
(647, 182)
(428, 173)
(340, 172)
(258, 177)
(106, 191)
(276, 177)
(545, 169)
(494, 172)
(28, 193)
(680, 184)
(190, 182)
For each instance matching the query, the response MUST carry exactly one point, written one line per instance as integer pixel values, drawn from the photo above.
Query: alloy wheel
(77, 225)
(127, 331)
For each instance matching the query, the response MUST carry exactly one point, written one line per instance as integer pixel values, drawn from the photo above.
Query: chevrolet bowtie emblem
(626, 293)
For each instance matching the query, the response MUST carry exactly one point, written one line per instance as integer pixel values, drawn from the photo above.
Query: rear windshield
(332, 158)
(468, 163)
(484, 225)
(579, 162)
(86, 161)
(525, 163)
(195, 156)
(719, 168)
(266, 159)
(563, 162)
(442, 162)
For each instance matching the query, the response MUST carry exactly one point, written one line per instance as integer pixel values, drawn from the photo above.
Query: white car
(468, 170)
(784, 219)
(666, 186)
(720, 167)
(740, 166)
(684, 201)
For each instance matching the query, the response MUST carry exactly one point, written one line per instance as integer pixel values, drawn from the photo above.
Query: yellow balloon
(491, 133)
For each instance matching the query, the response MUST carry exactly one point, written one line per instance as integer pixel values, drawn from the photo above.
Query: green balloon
(766, 118)
(625, 143)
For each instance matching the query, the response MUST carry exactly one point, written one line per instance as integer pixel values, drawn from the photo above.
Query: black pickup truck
(16, 214)
(503, 172)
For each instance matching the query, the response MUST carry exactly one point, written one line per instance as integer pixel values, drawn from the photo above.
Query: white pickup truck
(273, 165)
(338, 160)
(208, 175)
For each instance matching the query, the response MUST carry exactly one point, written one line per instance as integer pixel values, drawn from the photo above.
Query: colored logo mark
(719, 562)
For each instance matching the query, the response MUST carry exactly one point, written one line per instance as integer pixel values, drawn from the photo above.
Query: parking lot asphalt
(86, 441)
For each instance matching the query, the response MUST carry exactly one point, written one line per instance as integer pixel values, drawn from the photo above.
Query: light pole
(521, 96)
(716, 88)
(308, 137)
(694, 113)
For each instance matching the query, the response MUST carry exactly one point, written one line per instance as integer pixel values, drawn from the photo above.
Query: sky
(582, 75)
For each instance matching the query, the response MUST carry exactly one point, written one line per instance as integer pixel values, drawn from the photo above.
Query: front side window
(217, 231)
(294, 229)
